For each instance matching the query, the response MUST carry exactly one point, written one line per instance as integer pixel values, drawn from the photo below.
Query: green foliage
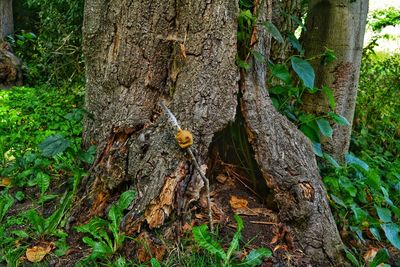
(205, 240)
(382, 18)
(103, 245)
(54, 53)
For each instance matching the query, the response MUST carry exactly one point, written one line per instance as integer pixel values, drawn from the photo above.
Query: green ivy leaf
(317, 148)
(273, 30)
(331, 98)
(338, 201)
(304, 70)
(54, 145)
(384, 214)
(351, 159)
(295, 42)
(281, 72)
(392, 233)
(375, 232)
(331, 160)
(325, 127)
(339, 119)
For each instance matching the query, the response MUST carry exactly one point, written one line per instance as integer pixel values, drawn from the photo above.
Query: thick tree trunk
(338, 25)
(137, 53)
(6, 18)
(288, 164)
(140, 52)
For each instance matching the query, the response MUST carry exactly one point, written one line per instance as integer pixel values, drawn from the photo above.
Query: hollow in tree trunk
(141, 52)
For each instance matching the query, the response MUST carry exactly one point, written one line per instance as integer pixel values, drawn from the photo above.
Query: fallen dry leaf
(5, 181)
(222, 178)
(238, 203)
(37, 253)
(370, 254)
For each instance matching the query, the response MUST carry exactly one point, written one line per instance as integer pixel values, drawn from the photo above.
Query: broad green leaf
(338, 201)
(295, 42)
(331, 160)
(304, 70)
(204, 240)
(299, 22)
(54, 145)
(348, 185)
(350, 256)
(310, 133)
(281, 72)
(392, 233)
(255, 257)
(275, 33)
(375, 232)
(331, 98)
(359, 214)
(384, 214)
(351, 159)
(325, 127)
(154, 262)
(380, 257)
(339, 119)
(278, 89)
(317, 148)
(36, 221)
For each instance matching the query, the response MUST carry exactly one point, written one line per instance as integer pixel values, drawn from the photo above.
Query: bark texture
(6, 18)
(10, 67)
(288, 164)
(137, 53)
(338, 25)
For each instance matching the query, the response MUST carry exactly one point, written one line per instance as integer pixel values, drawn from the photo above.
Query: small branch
(174, 122)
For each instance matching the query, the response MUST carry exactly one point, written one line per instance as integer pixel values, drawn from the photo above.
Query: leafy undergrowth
(41, 166)
(365, 193)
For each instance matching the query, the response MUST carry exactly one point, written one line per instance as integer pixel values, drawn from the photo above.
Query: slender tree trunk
(338, 25)
(140, 52)
(6, 18)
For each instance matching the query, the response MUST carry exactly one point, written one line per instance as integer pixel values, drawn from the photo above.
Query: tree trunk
(288, 164)
(6, 18)
(338, 25)
(140, 52)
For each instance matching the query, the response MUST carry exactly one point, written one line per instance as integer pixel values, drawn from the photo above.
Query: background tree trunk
(6, 18)
(340, 26)
(139, 52)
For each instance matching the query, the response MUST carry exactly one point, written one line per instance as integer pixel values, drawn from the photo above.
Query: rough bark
(10, 67)
(137, 53)
(338, 25)
(288, 164)
(6, 18)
